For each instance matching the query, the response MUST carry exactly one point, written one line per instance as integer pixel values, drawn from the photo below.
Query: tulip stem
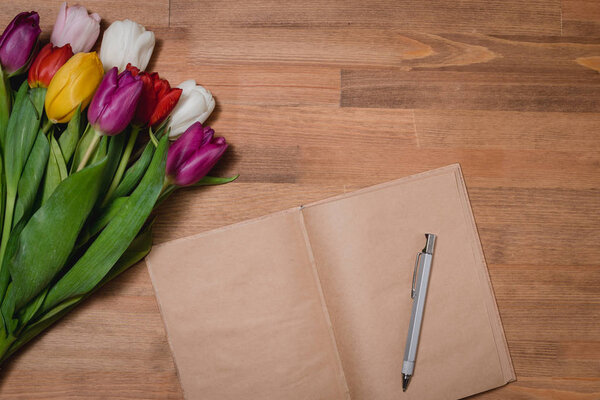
(47, 125)
(90, 150)
(135, 130)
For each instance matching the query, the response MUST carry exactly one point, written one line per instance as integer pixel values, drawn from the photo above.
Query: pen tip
(405, 380)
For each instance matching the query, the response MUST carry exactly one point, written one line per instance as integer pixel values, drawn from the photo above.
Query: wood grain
(321, 97)
(581, 18)
(481, 16)
(153, 14)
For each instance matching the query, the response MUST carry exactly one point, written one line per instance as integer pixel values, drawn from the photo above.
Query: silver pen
(418, 293)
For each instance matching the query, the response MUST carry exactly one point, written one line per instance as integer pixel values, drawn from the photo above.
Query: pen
(418, 293)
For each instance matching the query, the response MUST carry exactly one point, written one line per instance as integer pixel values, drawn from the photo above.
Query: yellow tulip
(73, 84)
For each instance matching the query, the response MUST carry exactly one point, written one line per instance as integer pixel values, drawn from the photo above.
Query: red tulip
(157, 100)
(47, 62)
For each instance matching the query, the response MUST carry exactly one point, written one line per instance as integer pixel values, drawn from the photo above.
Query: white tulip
(126, 42)
(195, 105)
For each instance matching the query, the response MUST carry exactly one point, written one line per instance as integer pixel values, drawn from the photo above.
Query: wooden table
(320, 97)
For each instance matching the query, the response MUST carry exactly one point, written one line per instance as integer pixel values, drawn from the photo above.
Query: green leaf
(23, 126)
(213, 180)
(56, 172)
(100, 152)
(112, 242)
(48, 238)
(52, 178)
(101, 219)
(8, 309)
(11, 249)
(134, 173)
(31, 178)
(115, 149)
(2, 192)
(82, 145)
(69, 138)
(31, 309)
(60, 161)
(35, 329)
(5, 100)
(137, 250)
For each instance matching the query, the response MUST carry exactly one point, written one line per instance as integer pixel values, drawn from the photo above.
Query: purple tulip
(114, 103)
(19, 41)
(194, 154)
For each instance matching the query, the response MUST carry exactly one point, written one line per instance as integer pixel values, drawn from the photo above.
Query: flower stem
(47, 125)
(135, 130)
(90, 150)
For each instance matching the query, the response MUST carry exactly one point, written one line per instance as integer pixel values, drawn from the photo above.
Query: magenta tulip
(19, 41)
(194, 154)
(114, 103)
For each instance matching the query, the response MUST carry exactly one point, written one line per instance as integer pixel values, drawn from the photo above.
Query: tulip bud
(114, 103)
(157, 100)
(194, 154)
(18, 42)
(75, 27)
(46, 63)
(73, 84)
(195, 105)
(126, 42)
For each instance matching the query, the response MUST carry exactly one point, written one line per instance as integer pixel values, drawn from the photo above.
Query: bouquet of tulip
(85, 158)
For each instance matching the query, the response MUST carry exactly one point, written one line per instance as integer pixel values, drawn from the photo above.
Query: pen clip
(413, 290)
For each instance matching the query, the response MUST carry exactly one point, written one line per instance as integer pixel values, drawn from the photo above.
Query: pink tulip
(75, 27)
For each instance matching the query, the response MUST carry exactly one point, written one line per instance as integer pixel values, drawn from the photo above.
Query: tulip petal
(165, 106)
(103, 96)
(119, 111)
(184, 147)
(75, 27)
(18, 42)
(73, 84)
(126, 42)
(203, 160)
(144, 46)
(195, 105)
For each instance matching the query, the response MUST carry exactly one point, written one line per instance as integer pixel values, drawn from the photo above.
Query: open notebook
(314, 302)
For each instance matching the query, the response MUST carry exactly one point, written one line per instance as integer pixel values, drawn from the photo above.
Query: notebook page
(243, 313)
(364, 245)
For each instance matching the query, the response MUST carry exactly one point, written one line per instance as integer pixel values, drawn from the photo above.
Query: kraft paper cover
(314, 302)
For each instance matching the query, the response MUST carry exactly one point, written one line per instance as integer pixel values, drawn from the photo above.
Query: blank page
(364, 245)
(244, 314)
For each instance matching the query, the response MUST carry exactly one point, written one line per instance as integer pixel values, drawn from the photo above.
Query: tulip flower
(157, 100)
(18, 42)
(75, 27)
(46, 63)
(195, 105)
(73, 84)
(193, 155)
(126, 42)
(114, 103)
